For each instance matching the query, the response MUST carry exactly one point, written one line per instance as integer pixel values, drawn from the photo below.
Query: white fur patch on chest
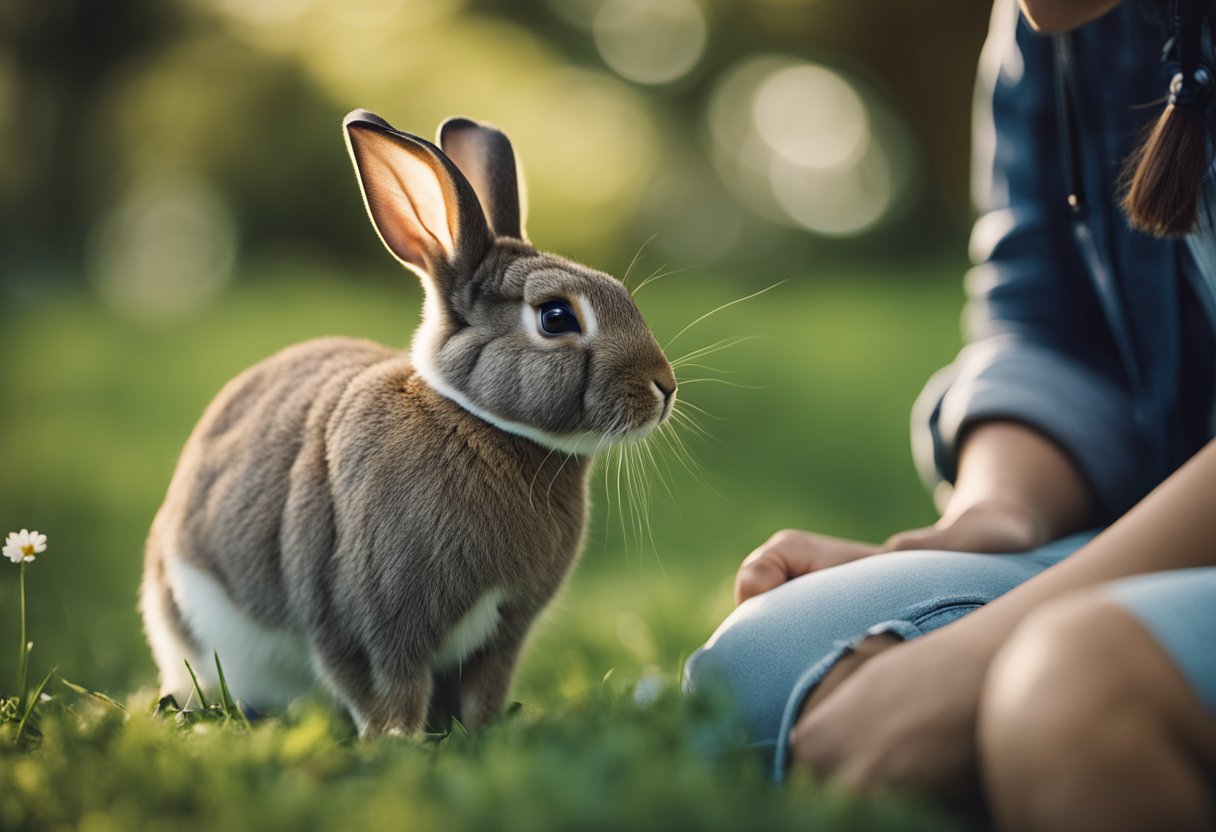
(472, 631)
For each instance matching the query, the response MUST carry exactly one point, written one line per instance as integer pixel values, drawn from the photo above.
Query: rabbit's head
(531, 342)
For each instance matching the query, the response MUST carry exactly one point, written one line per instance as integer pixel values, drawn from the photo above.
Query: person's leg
(846, 665)
(773, 651)
(1100, 712)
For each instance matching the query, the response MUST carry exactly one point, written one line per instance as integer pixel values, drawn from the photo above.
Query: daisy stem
(21, 667)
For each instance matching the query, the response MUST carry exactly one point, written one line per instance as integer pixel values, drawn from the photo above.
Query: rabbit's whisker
(634, 261)
(711, 368)
(539, 468)
(637, 501)
(717, 346)
(605, 444)
(658, 474)
(684, 420)
(725, 381)
(726, 305)
(658, 274)
(648, 504)
(686, 459)
(553, 479)
(683, 403)
(620, 501)
(657, 449)
(631, 494)
(654, 464)
(643, 502)
(599, 446)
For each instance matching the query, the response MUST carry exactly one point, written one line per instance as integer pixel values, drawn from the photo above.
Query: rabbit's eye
(557, 318)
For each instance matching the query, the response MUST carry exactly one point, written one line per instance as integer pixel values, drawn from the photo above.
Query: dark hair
(1162, 178)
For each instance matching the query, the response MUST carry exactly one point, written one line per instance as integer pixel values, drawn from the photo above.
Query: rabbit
(385, 526)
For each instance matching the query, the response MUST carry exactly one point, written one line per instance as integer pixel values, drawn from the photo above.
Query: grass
(98, 408)
(596, 761)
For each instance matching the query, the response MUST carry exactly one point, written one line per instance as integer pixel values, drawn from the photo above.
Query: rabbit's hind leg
(485, 677)
(399, 709)
(168, 635)
(379, 702)
(264, 667)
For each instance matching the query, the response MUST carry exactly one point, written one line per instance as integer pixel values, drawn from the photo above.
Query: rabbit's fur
(390, 524)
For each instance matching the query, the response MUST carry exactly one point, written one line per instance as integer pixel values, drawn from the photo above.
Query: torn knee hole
(872, 645)
(848, 663)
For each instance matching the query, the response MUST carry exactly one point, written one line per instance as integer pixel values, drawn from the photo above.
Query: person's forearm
(1061, 15)
(1014, 466)
(1172, 528)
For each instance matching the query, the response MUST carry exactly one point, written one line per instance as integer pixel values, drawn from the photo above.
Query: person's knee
(771, 642)
(751, 663)
(727, 659)
(724, 671)
(692, 672)
(1054, 703)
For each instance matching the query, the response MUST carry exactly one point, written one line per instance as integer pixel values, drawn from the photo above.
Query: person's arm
(1016, 490)
(896, 724)
(1020, 484)
(1173, 528)
(1062, 15)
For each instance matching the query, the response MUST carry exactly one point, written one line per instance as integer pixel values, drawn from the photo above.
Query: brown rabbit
(389, 524)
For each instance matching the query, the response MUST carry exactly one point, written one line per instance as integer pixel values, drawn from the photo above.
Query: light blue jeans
(772, 651)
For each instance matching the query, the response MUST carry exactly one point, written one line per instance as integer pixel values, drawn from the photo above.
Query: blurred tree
(98, 100)
(56, 59)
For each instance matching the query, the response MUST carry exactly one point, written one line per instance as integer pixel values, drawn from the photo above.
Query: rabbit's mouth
(650, 425)
(629, 437)
(669, 404)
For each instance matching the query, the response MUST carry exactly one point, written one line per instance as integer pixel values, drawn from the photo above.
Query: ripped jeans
(770, 653)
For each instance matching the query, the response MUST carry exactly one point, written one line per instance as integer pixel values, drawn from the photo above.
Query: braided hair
(1162, 179)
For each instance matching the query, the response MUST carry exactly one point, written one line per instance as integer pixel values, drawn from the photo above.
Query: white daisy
(24, 545)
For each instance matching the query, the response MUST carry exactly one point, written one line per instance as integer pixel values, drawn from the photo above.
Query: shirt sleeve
(1039, 349)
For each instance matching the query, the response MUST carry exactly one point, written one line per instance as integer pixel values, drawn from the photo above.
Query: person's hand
(988, 526)
(991, 526)
(904, 720)
(789, 554)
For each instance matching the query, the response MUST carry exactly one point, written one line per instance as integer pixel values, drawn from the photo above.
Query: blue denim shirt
(1094, 334)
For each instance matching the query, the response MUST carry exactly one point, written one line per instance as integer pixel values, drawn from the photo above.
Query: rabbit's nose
(666, 387)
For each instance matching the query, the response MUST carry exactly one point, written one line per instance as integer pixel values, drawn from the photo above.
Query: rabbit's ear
(424, 209)
(484, 155)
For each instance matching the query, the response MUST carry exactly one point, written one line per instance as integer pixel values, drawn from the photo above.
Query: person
(1049, 644)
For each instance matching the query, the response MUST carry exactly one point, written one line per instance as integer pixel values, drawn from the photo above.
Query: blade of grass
(231, 709)
(198, 689)
(29, 708)
(99, 696)
(225, 696)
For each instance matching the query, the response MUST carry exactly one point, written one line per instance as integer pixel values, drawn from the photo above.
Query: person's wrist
(1013, 519)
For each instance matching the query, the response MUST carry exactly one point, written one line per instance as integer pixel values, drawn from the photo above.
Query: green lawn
(96, 409)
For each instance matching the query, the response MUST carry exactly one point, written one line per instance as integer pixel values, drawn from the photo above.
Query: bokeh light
(586, 138)
(650, 41)
(811, 117)
(264, 12)
(164, 251)
(800, 143)
(835, 201)
(579, 13)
